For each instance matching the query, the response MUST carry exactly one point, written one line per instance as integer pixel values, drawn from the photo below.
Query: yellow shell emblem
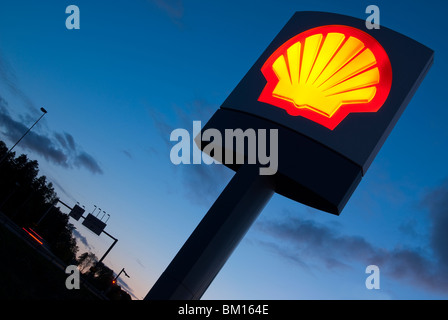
(325, 73)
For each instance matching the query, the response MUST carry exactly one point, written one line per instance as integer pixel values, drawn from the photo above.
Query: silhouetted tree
(116, 293)
(85, 261)
(25, 197)
(101, 276)
(58, 232)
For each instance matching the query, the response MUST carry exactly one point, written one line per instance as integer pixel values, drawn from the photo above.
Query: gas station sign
(334, 90)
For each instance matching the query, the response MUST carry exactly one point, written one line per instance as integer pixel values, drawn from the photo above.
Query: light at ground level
(33, 236)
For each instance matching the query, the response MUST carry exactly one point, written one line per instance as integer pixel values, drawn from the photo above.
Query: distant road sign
(94, 224)
(77, 212)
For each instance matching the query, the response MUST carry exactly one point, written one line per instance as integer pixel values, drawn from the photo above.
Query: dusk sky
(136, 70)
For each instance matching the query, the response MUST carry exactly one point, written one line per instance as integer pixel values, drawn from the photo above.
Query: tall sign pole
(217, 235)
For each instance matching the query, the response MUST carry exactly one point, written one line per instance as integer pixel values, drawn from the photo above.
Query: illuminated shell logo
(327, 72)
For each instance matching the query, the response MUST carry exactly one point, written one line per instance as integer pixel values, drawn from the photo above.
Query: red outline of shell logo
(326, 73)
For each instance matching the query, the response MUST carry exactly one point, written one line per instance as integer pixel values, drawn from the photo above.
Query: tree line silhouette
(28, 200)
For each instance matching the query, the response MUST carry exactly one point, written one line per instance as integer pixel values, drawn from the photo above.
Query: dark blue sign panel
(77, 212)
(94, 224)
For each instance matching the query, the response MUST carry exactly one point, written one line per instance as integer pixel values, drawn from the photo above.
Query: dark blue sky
(135, 71)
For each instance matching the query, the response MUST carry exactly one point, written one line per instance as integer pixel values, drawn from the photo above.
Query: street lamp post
(122, 271)
(44, 112)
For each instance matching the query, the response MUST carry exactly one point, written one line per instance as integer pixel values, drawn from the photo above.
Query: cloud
(127, 154)
(140, 263)
(308, 239)
(127, 288)
(82, 239)
(66, 140)
(57, 148)
(310, 244)
(62, 189)
(409, 228)
(162, 125)
(85, 160)
(437, 203)
(34, 141)
(173, 8)
(201, 182)
(8, 76)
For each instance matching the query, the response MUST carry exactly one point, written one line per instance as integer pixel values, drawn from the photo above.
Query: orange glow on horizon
(327, 72)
